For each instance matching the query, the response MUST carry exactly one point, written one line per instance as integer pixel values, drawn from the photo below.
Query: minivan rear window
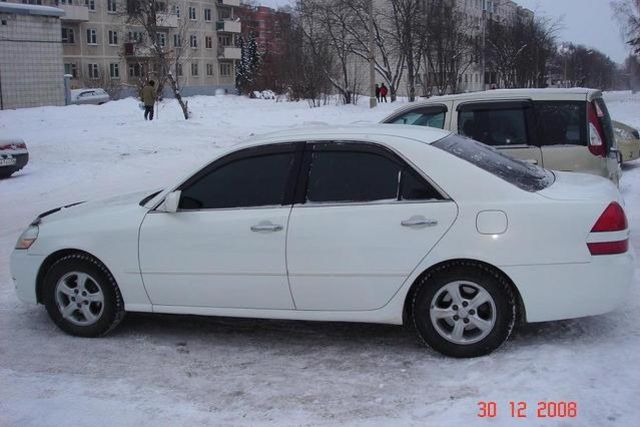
(523, 175)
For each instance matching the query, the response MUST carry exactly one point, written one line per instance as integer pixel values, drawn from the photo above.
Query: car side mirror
(171, 202)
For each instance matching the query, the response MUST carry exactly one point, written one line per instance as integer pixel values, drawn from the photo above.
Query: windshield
(523, 175)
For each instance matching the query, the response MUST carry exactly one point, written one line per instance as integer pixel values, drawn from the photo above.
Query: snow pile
(174, 370)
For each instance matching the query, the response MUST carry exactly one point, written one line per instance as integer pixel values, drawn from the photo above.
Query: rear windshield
(523, 175)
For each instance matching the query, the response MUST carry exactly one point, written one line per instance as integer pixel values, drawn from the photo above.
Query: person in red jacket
(383, 93)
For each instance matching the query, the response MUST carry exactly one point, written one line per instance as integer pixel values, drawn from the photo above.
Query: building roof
(30, 9)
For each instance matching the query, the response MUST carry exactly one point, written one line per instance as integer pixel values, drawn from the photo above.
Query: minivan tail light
(596, 134)
(609, 248)
(612, 219)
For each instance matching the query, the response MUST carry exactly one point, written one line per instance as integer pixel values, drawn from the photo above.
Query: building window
(113, 37)
(91, 4)
(93, 71)
(193, 41)
(192, 13)
(225, 69)
(114, 70)
(194, 69)
(177, 40)
(224, 40)
(68, 36)
(32, 2)
(71, 69)
(208, 42)
(176, 10)
(135, 36)
(209, 69)
(92, 37)
(179, 70)
(162, 39)
(207, 15)
(111, 6)
(135, 70)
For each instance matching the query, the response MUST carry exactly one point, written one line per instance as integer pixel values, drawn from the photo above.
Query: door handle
(531, 161)
(419, 221)
(266, 226)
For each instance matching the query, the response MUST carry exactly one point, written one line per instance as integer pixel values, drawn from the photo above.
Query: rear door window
(561, 122)
(346, 174)
(429, 116)
(496, 124)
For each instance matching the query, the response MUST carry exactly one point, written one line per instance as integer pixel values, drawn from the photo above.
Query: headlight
(28, 237)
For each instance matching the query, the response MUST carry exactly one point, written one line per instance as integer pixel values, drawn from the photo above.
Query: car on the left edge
(382, 223)
(13, 156)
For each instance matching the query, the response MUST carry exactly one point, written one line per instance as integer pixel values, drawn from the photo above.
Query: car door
(225, 246)
(505, 125)
(362, 222)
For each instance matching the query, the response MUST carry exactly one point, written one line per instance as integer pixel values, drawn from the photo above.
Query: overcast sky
(588, 22)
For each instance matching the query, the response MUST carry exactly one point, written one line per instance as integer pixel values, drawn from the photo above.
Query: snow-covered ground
(178, 370)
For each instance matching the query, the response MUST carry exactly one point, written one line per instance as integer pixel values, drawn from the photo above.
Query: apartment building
(101, 47)
(31, 72)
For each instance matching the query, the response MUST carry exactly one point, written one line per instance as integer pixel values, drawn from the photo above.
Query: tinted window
(414, 187)
(605, 121)
(424, 117)
(561, 122)
(523, 175)
(253, 181)
(347, 176)
(504, 126)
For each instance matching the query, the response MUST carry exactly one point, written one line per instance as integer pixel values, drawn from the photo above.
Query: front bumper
(24, 272)
(566, 291)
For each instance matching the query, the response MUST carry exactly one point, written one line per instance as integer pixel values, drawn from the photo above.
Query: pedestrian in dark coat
(377, 92)
(148, 97)
(383, 93)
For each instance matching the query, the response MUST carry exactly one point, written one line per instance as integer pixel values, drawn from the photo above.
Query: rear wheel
(464, 310)
(82, 297)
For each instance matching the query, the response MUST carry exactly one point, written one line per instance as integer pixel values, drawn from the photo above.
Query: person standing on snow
(148, 97)
(377, 92)
(383, 93)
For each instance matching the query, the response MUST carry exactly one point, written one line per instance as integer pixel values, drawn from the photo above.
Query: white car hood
(95, 206)
(581, 186)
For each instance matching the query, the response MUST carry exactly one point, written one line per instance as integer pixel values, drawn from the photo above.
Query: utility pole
(484, 37)
(372, 68)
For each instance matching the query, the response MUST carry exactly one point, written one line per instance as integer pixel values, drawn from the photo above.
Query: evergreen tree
(249, 66)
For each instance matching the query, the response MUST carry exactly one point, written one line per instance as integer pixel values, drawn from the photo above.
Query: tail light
(14, 146)
(612, 220)
(596, 133)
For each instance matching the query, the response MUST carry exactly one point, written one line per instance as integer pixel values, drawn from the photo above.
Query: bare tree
(450, 46)
(153, 47)
(628, 14)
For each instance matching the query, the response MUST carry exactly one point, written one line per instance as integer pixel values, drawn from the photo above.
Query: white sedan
(386, 223)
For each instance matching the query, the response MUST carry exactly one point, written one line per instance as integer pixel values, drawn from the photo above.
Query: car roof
(354, 133)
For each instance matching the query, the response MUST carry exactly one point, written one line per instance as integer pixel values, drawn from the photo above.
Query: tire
(83, 286)
(473, 323)
(6, 174)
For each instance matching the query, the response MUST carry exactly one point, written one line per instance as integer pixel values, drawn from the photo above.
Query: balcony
(167, 20)
(136, 50)
(228, 26)
(74, 13)
(233, 3)
(229, 52)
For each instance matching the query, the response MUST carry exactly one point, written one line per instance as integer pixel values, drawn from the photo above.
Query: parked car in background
(89, 96)
(560, 129)
(13, 156)
(627, 140)
(379, 223)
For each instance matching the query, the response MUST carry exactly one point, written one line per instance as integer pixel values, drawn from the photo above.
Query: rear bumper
(24, 272)
(566, 291)
(21, 161)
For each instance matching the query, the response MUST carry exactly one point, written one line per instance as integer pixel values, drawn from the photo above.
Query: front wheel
(464, 310)
(81, 296)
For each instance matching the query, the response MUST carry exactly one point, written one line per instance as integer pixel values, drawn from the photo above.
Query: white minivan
(560, 129)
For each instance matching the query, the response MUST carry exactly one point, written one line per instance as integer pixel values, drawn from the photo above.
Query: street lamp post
(372, 68)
